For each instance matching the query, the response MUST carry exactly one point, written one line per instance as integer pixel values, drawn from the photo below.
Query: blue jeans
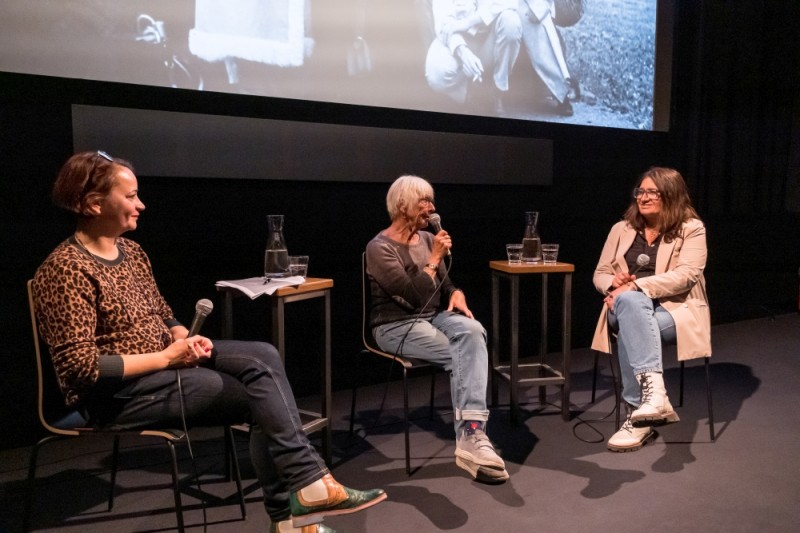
(641, 325)
(454, 342)
(243, 381)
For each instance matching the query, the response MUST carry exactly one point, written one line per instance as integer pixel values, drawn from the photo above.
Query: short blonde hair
(406, 190)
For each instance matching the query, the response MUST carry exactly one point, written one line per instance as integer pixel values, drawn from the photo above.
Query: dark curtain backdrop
(736, 96)
(735, 104)
(736, 128)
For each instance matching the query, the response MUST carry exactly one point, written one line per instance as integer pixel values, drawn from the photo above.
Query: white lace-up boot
(629, 438)
(655, 409)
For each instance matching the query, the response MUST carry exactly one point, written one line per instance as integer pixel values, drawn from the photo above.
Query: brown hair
(676, 206)
(85, 177)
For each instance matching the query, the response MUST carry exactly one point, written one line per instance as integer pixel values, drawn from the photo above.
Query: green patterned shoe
(314, 528)
(340, 500)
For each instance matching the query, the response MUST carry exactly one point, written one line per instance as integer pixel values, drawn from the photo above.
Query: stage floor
(562, 477)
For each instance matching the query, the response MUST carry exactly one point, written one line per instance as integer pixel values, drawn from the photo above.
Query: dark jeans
(243, 381)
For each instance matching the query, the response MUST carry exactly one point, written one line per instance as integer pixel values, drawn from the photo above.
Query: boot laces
(647, 388)
(627, 425)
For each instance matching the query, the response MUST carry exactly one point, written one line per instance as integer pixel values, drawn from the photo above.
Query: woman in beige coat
(651, 273)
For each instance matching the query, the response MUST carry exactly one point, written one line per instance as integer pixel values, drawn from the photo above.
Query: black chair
(408, 364)
(66, 423)
(618, 385)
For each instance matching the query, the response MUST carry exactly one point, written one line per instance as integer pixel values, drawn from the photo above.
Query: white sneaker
(629, 438)
(655, 409)
(475, 454)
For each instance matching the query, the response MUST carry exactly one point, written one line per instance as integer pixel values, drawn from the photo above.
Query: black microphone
(642, 260)
(435, 222)
(202, 309)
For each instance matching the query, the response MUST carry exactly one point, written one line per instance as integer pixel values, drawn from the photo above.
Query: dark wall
(742, 167)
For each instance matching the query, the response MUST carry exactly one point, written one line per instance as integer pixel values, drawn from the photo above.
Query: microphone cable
(397, 352)
(189, 446)
(202, 309)
(590, 422)
(425, 305)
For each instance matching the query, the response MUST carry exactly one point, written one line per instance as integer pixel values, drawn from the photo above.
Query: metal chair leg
(616, 378)
(406, 421)
(233, 459)
(175, 485)
(709, 400)
(353, 409)
(114, 466)
(433, 394)
(31, 485)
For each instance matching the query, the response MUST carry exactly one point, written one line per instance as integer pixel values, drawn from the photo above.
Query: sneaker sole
(319, 516)
(635, 447)
(655, 420)
(484, 474)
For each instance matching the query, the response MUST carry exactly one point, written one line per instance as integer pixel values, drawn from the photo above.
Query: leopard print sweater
(89, 308)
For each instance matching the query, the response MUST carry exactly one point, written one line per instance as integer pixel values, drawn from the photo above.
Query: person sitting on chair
(118, 351)
(476, 41)
(664, 301)
(416, 311)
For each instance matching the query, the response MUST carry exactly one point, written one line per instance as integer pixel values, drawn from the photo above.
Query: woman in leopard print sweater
(116, 347)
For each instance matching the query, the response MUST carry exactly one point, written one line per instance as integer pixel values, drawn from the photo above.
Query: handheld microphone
(435, 222)
(202, 309)
(642, 260)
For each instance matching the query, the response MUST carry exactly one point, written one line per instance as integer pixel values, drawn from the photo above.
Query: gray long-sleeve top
(399, 285)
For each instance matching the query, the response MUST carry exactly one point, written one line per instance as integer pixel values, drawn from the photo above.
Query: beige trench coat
(678, 285)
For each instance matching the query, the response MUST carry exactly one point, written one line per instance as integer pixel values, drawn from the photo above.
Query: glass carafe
(276, 256)
(531, 243)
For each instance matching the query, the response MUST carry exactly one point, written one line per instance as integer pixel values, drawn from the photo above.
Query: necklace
(83, 247)
(651, 235)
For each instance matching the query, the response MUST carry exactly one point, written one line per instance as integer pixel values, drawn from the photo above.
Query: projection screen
(585, 62)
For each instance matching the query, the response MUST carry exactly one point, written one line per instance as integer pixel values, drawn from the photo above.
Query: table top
(309, 285)
(531, 268)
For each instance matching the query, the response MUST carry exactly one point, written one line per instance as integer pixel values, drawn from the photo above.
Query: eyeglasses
(95, 158)
(652, 194)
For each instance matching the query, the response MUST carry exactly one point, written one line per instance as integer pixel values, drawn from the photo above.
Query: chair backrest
(366, 293)
(62, 420)
(366, 331)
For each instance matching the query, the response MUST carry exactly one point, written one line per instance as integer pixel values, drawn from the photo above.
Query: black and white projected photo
(587, 62)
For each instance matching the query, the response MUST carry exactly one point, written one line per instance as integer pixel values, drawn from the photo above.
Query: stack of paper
(255, 287)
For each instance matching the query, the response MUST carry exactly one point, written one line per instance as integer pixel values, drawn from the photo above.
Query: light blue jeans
(642, 326)
(454, 342)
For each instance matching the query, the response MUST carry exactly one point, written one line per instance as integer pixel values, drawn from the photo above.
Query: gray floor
(562, 477)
